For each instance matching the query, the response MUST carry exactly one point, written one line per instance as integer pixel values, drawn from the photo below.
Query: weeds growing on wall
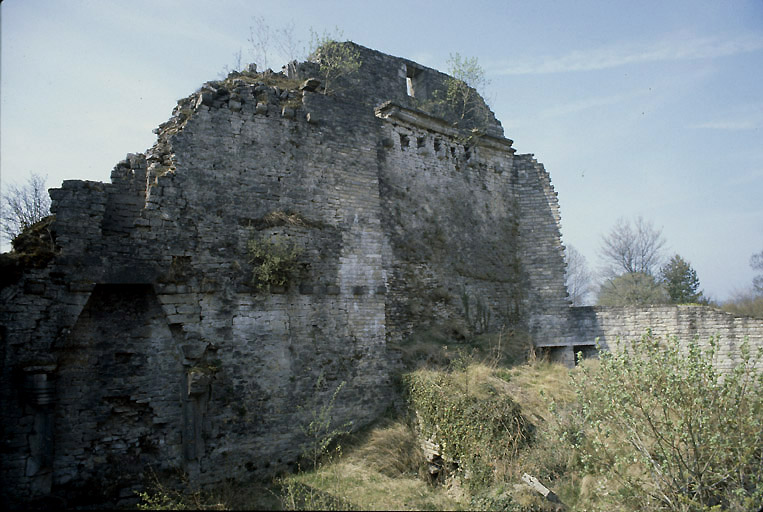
(320, 448)
(670, 430)
(274, 262)
(459, 100)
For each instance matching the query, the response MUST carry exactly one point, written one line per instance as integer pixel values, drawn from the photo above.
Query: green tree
(681, 282)
(671, 429)
(24, 205)
(632, 289)
(463, 87)
(336, 60)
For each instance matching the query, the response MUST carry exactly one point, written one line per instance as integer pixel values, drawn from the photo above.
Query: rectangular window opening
(410, 74)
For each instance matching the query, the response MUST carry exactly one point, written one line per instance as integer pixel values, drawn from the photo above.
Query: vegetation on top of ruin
(24, 205)
(337, 61)
(34, 247)
(460, 100)
(266, 77)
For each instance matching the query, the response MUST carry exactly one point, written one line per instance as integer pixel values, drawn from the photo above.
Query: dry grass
(392, 449)
(440, 345)
(535, 384)
(382, 469)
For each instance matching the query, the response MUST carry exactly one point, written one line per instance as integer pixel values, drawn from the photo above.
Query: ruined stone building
(140, 337)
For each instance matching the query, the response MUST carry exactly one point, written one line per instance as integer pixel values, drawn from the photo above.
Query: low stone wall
(608, 324)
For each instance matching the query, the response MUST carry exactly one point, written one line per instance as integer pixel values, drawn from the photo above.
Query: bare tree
(756, 262)
(264, 40)
(579, 278)
(24, 205)
(632, 247)
(287, 43)
(260, 34)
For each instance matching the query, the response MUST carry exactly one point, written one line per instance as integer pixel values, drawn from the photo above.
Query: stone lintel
(420, 119)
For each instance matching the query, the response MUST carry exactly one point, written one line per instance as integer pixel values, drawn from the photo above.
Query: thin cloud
(742, 117)
(672, 49)
(588, 103)
(727, 125)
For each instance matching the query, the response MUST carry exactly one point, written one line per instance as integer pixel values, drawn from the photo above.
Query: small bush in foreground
(671, 430)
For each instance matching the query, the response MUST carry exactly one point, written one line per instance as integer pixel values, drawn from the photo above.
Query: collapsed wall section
(250, 167)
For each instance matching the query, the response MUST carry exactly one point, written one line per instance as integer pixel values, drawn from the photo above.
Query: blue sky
(635, 108)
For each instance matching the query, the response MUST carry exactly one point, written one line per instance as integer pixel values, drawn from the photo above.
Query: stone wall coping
(654, 307)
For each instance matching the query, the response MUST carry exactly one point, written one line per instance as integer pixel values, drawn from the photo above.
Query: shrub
(274, 262)
(337, 61)
(671, 429)
(472, 427)
(319, 449)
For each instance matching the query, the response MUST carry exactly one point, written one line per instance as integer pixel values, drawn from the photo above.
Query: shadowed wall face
(118, 387)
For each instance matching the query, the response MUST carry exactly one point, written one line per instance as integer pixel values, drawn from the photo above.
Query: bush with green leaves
(670, 429)
(459, 99)
(319, 448)
(336, 60)
(274, 261)
(467, 77)
(472, 427)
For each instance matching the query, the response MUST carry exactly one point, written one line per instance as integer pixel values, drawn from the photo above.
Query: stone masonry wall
(144, 342)
(449, 241)
(608, 324)
(545, 301)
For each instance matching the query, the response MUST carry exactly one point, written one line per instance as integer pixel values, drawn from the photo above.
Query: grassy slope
(384, 468)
